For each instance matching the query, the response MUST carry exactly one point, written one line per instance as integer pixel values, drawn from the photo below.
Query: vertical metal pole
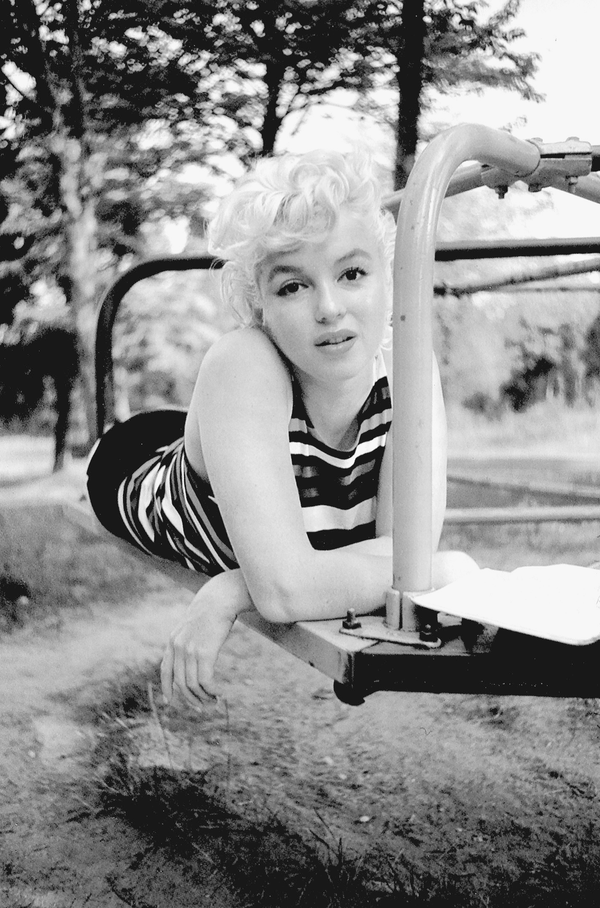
(413, 295)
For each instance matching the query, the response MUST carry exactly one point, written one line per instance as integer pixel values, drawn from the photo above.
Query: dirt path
(55, 850)
(503, 794)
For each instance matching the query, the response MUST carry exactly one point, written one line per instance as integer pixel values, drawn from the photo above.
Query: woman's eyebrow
(282, 268)
(353, 254)
(287, 268)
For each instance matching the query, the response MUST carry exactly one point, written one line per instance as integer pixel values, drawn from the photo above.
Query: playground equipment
(468, 657)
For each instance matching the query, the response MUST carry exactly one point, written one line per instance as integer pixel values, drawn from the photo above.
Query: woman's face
(326, 304)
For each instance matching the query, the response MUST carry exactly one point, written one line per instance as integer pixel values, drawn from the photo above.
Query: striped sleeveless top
(170, 512)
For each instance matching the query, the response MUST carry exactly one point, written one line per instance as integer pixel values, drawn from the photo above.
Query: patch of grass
(192, 817)
(195, 819)
(265, 862)
(64, 567)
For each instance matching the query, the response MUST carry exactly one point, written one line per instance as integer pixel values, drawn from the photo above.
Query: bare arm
(242, 406)
(194, 645)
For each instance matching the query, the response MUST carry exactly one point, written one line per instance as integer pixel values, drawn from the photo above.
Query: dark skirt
(120, 452)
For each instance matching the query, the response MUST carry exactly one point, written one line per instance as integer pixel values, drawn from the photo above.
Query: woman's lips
(334, 338)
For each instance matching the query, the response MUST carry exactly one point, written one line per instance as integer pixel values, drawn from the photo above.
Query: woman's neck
(333, 410)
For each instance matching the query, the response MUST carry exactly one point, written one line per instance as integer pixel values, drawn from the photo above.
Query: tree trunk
(272, 121)
(411, 49)
(81, 255)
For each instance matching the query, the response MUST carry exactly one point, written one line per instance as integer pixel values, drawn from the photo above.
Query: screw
(428, 634)
(351, 622)
(571, 184)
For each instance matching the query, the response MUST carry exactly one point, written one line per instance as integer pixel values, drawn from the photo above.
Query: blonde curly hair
(287, 200)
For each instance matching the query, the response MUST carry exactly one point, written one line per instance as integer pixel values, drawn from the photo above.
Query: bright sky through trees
(565, 34)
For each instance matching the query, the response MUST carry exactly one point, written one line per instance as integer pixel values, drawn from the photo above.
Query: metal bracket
(497, 179)
(560, 161)
(373, 627)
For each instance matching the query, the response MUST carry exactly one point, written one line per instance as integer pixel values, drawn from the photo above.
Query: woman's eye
(289, 289)
(353, 274)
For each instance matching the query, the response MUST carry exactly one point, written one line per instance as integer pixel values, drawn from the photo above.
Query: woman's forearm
(355, 576)
(328, 584)
(194, 645)
(226, 592)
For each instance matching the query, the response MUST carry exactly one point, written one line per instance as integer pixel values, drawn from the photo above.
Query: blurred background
(125, 120)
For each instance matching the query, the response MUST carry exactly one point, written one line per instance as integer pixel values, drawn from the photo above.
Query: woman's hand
(189, 662)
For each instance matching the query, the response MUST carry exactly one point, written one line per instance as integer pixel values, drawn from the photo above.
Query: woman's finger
(192, 678)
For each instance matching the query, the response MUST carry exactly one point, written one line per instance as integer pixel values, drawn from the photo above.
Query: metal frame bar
(501, 249)
(412, 318)
(107, 313)
(557, 514)
(507, 283)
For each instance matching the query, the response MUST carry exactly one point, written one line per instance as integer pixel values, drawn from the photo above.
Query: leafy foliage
(151, 87)
(111, 105)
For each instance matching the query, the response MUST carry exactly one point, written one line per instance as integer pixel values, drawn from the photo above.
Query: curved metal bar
(473, 175)
(467, 178)
(413, 295)
(107, 313)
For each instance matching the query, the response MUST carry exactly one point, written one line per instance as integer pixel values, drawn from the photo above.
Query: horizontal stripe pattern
(338, 489)
(168, 511)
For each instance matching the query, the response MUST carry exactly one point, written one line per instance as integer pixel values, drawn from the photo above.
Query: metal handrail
(507, 159)
(413, 332)
(107, 313)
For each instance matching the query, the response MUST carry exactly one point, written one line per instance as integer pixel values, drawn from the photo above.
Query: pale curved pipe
(412, 316)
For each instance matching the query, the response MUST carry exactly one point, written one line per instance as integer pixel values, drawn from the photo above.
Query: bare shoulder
(242, 340)
(243, 390)
(243, 355)
(243, 371)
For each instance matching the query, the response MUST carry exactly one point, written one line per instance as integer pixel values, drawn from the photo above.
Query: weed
(191, 816)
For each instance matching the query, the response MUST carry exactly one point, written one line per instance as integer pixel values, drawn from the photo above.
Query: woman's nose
(329, 305)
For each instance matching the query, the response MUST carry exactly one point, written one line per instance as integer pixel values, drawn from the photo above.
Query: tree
(71, 102)
(107, 100)
(262, 62)
(266, 62)
(420, 45)
(102, 97)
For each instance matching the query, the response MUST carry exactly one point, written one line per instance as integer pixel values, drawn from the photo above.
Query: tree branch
(29, 98)
(46, 101)
(78, 114)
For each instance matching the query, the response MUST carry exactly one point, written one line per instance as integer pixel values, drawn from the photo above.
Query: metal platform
(472, 659)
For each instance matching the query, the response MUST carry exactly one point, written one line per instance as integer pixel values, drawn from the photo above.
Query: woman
(277, 483)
